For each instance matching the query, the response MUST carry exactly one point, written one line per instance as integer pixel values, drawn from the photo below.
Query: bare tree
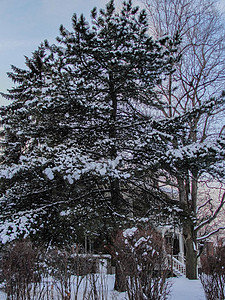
(211, 198)
(199, 76)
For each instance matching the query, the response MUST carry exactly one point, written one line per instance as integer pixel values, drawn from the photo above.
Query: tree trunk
(194, 193)
(190, 237)
(120, 280)
(191, 250)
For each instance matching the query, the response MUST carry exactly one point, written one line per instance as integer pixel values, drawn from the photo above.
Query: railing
(178, 267)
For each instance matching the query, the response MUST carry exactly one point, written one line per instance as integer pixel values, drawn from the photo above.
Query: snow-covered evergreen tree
(69, 131)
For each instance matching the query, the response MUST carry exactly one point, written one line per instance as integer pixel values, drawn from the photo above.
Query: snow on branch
(201, 238)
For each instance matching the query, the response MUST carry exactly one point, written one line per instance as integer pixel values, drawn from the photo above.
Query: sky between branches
(24, 24)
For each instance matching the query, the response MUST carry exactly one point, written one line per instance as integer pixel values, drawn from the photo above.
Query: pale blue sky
(24, 24)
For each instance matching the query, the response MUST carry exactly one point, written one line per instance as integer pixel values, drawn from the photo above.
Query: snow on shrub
(141, 262)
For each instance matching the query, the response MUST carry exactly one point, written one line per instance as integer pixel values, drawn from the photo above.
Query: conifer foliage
(69, 130)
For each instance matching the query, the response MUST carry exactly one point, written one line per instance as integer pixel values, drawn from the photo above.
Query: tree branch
(209, 220)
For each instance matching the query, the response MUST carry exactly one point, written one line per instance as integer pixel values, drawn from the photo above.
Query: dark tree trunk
(191, 251)
(120, 280)
(190, 238)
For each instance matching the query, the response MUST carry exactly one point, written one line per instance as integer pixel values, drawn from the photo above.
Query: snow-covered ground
(182, 289)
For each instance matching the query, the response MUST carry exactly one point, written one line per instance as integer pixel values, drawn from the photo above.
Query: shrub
(141, 259)
(213, 273)
(57, 274)
(19, 269)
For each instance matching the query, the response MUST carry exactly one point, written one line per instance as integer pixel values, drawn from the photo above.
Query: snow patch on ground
(182, 289)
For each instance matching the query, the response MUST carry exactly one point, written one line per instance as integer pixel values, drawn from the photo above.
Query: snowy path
(184, 289)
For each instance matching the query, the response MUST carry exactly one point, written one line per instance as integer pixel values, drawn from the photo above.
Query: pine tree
(73, 115)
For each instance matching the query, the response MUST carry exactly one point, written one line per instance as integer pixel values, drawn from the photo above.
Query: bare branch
(213, 217)
(204, 237)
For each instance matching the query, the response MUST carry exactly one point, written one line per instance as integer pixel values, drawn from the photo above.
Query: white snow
(130, 232)
(49, 173)
(19, 225)
(182, 289)
(140, 241)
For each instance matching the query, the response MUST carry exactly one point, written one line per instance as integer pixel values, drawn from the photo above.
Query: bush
(20, 269)
(142, 264)
(60, 274)
(213, 273)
